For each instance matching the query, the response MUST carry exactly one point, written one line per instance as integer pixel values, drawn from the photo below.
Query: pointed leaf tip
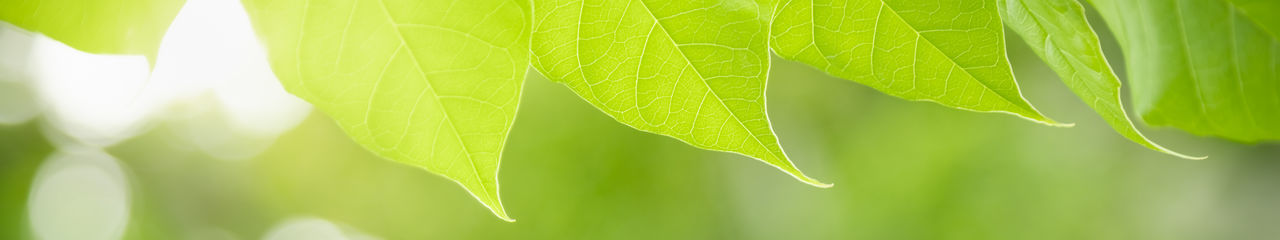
(1161, 149)
(977, 73)
(1059, 33)
(504, 217)
(1190, 157)
(463, 107)
(808, 180)
(679, 84)
(1061, 125)
(497, 210)
(818, 184)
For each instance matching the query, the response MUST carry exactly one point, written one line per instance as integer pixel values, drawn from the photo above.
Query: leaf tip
(790, 169)
(1162, 149)
(502, 214)
(1183, 156)
(508, 219)
(1051, 122)
(812, 182)
(490, 201)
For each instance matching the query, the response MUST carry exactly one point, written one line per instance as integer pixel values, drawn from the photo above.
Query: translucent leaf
(96, 26)
(433, 84)
(951, 51)
(692, 70)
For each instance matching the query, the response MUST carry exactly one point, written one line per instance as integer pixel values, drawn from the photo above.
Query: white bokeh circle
(311, 228)
(79, 194)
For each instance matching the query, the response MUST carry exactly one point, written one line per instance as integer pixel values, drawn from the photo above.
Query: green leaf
(693, 70)
(96, 26)
(1206, 66)
(1058, 32)
(949, 51)
(433, 84)
(1262, 12)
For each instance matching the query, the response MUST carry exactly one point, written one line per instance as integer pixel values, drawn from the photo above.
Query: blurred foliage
(903, 170)
(22, 148)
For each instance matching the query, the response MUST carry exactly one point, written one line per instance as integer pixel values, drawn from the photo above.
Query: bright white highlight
(95, 99)
(211, 80)
(79, 194)
(211, 49)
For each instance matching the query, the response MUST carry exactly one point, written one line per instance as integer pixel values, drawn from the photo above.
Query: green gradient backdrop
(903, 170)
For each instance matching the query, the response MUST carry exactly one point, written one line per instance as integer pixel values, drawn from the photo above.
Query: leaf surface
(96, 26)
(950, 51)
(433, 84)
(1210, 67)
(1058, 32)
(693, 70)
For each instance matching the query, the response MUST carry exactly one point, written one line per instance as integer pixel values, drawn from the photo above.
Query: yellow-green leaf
(433, 84)
(693, 70)
(96, 26)
(948, 51)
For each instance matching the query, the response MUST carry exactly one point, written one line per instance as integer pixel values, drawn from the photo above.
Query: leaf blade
(832, 35)
(96, 26)
(1057, 31)
(645, 64)
(431, 84)
(1206, 67)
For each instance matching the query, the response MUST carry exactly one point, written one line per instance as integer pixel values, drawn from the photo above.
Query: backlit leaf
(433, 84)
(96, 26)
(950, 51)
(693, 70)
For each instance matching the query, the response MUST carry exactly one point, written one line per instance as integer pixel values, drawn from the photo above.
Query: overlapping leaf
(96, 26)
(951, 52)
(1206, 66)
(432, 84)
(1057, 31)
(693, 70)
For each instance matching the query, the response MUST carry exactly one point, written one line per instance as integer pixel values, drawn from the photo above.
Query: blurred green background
(903, 170)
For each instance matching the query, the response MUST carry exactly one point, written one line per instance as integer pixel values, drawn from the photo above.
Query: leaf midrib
(657, 22)
(417, 65)
(885, 5)
(1109, 75)
(1235, 62)
(1195, 79)
(951, 59)
(1275, 39)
